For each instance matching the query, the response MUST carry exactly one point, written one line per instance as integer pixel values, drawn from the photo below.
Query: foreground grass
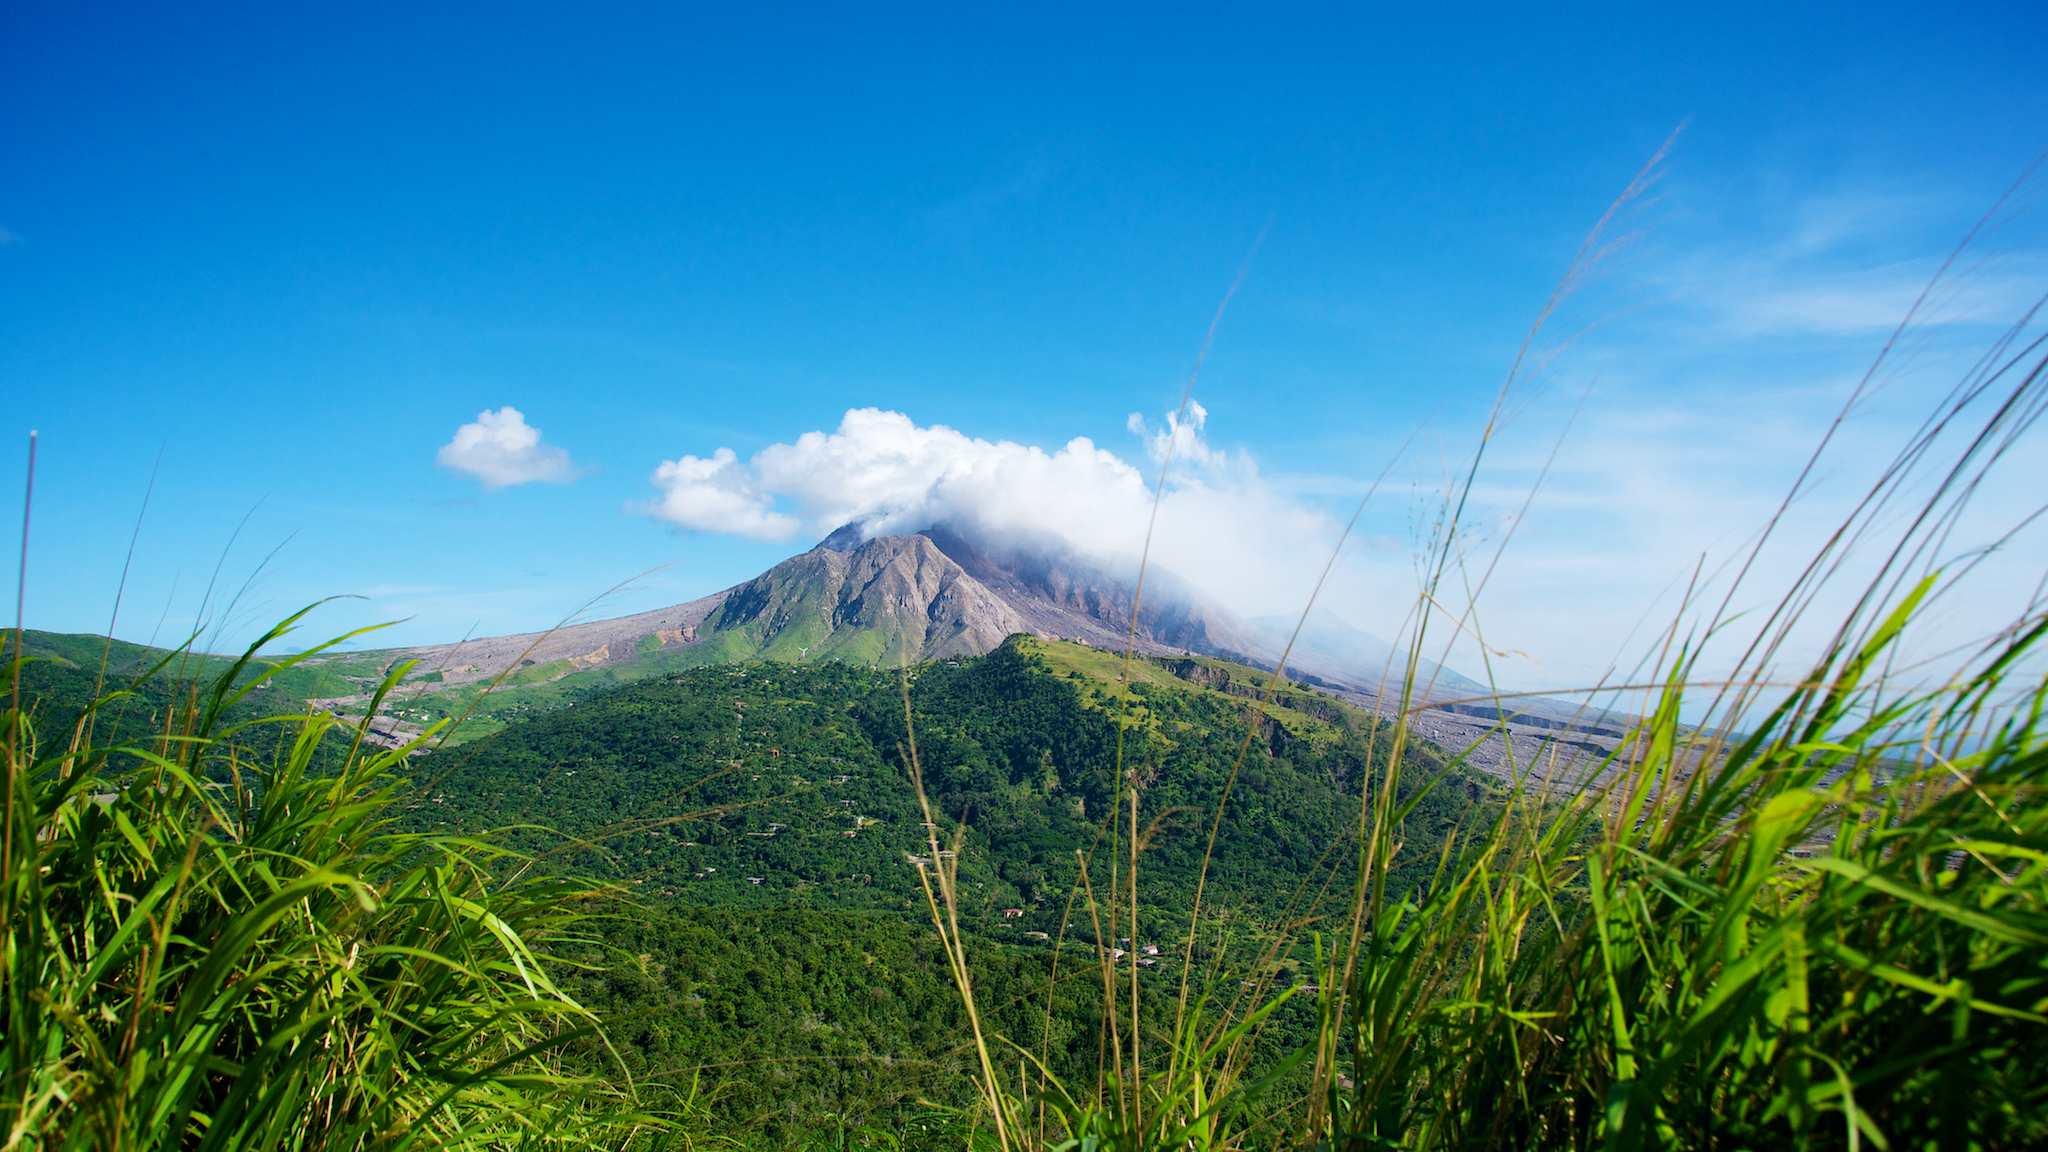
(217, 939)
(1830, 930)
(1818, 920)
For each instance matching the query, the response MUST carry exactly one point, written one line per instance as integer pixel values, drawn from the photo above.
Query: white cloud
(716, 494)
(1184, 440)
(884, 469)
(1222, 529)
(503, 450)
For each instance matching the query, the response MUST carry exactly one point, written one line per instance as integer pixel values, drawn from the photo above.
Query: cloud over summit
(1220, 527)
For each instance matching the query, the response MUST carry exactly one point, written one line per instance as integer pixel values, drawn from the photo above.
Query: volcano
(939, 593)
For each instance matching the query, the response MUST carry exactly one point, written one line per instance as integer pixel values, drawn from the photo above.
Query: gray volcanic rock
(888, 599)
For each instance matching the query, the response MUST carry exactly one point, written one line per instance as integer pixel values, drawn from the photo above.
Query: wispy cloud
(1644, 495)
(1828, 264)
(1789, 298)
(1852, 217)
(1707, 395)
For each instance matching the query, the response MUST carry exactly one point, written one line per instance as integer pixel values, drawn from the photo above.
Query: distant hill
(61, 672)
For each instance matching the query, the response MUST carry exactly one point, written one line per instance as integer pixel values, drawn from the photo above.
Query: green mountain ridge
(762, 783)
(761, 820)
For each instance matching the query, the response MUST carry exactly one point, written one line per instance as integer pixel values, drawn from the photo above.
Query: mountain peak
(885, 600)
(1041, 584)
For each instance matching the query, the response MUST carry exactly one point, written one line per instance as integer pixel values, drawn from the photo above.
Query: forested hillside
(774, 947)
(759, 785)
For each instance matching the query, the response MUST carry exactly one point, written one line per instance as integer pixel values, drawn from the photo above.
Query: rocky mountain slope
(884, 600)
(887, 601)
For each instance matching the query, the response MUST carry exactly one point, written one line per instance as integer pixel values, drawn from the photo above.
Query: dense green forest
(762, 821)
(762, 785)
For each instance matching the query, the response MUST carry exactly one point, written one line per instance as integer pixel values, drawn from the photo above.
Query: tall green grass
(1819, 918)
(1830, 928)
(219, 937)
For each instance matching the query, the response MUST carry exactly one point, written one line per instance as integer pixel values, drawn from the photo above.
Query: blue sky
(290, 255)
